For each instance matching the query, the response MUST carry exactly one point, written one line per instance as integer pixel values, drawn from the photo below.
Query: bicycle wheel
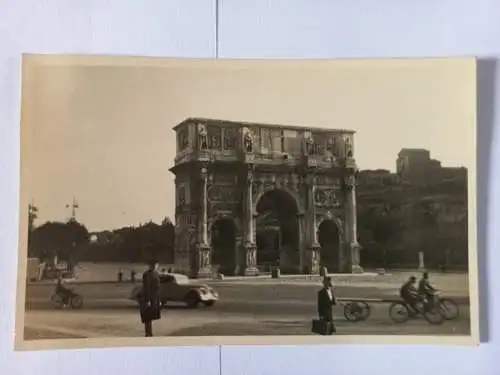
(366, 309)
(353, 312)
(448, 308)
(433, 315)
(76, 302)
(398, 312)
(57, 301)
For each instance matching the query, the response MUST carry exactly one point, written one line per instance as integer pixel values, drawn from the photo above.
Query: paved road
(243, 309)
(233, 296)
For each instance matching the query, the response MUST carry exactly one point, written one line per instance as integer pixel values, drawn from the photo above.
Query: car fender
(194, 291)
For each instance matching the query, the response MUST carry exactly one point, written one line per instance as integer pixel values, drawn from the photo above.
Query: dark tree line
(71, 242)
(393, 234)
(134, 244)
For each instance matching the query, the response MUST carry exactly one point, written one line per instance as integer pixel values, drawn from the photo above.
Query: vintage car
(178, 288)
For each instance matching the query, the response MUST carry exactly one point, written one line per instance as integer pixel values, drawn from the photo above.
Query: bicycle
(400, 312)
(74, 300)
(448, 308)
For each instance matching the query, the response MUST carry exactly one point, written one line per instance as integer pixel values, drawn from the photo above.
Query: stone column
(250, 250)
(204, 208)
(302, 255)
(421, 262)
(254, 227)
(314, 247)
(352, 225)
(203, 248)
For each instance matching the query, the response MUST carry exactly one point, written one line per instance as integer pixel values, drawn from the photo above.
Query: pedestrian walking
(120, 275)
(150, 302)
(325, 302)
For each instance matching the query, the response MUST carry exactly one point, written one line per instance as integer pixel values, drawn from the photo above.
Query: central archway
(277, 232)
(328, 238)
(224, 245)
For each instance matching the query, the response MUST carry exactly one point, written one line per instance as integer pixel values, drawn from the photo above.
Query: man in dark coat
(326, 300)
(150, 304)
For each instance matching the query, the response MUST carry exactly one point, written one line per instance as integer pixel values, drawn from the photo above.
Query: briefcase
(150, 313)
(323, 327)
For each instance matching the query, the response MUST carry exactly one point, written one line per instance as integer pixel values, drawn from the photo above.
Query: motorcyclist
(409, 293)
(62, 291)
(425, 289)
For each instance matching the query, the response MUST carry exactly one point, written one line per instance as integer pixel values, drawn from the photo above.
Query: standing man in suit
(150, 309)
(326, 300)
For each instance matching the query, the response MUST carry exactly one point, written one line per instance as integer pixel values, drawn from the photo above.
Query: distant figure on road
(132, 276)
(326, 300)
(120, 275)
(150, 302)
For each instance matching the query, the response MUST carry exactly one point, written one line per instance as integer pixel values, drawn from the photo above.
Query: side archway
(277, 231)
(223, 241)
(329, 237)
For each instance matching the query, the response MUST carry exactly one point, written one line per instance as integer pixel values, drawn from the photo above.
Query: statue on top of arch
(248, 140)
(203, 137)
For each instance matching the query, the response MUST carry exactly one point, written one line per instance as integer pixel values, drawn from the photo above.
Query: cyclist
(409, 293)
(62, 291)
(426, 290)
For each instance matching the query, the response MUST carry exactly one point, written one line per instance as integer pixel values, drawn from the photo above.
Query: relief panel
(182, 198)
(222, 193)
(230, 138)
(214, 135)
(324, 197)
(182, 139)
(330, 181)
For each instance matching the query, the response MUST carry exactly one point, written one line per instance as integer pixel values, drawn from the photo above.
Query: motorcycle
(73, 300)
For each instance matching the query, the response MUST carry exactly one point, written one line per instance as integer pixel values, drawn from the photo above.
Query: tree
(63, 240)
(380, 229)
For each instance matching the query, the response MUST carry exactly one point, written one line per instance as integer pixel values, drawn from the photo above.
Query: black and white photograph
(198, 202)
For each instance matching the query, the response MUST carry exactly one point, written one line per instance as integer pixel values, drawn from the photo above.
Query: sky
(102, 133)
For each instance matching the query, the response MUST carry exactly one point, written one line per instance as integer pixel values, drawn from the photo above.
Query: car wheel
(209, 303)
(192, 300)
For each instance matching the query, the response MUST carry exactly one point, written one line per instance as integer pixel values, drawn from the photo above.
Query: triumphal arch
(250, 196)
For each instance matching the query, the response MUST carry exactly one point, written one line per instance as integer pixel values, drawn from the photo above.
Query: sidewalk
(46, 332)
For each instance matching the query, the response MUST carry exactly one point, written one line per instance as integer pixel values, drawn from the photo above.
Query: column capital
(250, 174)
(203, 172)
(350, 181)
(310, 180)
